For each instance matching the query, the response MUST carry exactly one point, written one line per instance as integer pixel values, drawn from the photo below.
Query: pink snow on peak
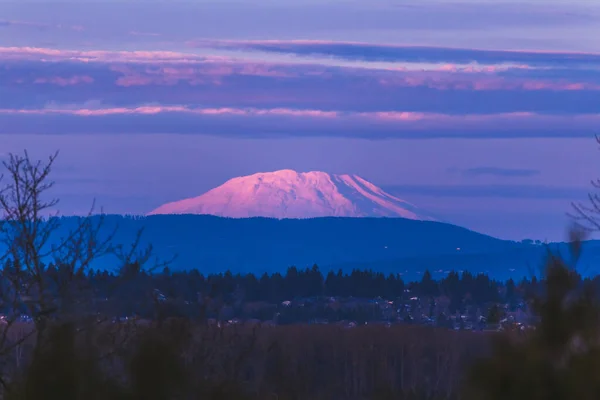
(290, 194)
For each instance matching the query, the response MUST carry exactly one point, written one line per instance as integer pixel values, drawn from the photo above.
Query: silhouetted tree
(560, 358)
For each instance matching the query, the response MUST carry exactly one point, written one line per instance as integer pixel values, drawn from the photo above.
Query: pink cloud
(205, 73)
(159, 76)
(477, 68)
(382, 116)
(398, 115)
(298, 113)
(243, 65)
(212, 73)
(296, 122)
(295, 43)
(102, 56)
(479, 82)
(146, 110)
(265, 69)
(164, 68)
(428, 119)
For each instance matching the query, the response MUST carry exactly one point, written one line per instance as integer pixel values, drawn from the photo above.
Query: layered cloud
(421, 93)
(284, 122)
(397, 53)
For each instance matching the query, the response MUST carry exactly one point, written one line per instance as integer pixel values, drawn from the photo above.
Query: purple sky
(481, 111)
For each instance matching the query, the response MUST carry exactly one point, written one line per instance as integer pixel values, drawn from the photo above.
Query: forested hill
(214, 244)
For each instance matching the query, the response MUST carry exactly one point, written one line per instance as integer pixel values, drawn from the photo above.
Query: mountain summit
(291, 194)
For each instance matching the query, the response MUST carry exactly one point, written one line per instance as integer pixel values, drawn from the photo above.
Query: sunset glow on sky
(483, 111)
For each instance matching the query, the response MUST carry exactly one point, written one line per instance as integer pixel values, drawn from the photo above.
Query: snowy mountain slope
(290, 194)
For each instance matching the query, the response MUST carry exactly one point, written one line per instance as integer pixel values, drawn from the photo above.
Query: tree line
(133, 282)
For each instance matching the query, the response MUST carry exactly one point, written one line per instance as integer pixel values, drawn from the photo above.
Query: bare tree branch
(44, 274)
(587, 215)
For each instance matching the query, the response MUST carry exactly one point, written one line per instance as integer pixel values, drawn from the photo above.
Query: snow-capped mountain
(291, 194)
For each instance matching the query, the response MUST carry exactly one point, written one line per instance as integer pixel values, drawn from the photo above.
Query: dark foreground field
(178, 359)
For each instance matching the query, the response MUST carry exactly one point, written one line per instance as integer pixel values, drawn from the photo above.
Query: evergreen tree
(560, 358)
